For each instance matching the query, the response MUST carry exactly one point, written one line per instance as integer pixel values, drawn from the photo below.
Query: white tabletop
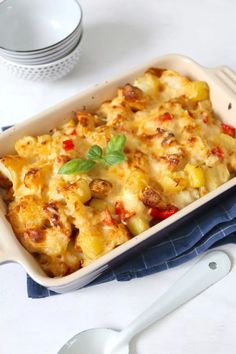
(118, 35)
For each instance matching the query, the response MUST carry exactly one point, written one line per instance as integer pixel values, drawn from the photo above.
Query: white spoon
(211, 268)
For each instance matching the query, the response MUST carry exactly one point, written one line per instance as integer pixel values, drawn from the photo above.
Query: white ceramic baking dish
(222, 82)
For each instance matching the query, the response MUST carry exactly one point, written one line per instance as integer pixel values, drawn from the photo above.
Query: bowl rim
(52, 45)
(37, 66)
(49, 58)
(56, 48)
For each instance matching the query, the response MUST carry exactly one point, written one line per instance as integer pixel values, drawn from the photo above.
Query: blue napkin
(211, 228)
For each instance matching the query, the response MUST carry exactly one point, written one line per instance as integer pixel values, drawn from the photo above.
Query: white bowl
(31, 25)
(46, 58)
(44, 72)
(70, 42)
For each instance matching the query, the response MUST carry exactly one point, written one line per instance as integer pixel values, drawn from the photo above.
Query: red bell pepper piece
(68, 145)
(165, 117)
(163, 213)
(108, 220)
(122, 212)
(228, 129)
(205, 120)
(118, 207)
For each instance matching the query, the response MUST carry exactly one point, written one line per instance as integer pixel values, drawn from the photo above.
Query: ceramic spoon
(210, 269)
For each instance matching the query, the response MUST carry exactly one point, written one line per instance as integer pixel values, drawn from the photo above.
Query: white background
(120, 34)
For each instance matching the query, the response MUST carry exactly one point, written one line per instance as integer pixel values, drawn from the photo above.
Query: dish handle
(226, 77)
(5, 254)
(9, 250)
(4, 258)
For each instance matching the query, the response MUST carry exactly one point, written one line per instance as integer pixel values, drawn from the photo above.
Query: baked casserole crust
(176, 151)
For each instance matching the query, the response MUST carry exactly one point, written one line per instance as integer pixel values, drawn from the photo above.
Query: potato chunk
(98, 240)
(195, 175)
(216, 175)
(226, 141)
(199, 91)
(136, 225)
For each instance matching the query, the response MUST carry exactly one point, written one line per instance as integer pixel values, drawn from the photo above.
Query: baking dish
(222, 82)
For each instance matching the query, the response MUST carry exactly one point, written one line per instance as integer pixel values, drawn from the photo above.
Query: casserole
(222, 90)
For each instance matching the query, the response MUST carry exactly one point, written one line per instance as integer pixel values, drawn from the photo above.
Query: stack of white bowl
(40, 40)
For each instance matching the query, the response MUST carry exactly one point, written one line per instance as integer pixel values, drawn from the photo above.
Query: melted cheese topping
(176, 149)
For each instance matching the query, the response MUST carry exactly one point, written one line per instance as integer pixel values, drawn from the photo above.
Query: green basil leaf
(94, 153)
(113, 158)
(116, 143)
(76, 166)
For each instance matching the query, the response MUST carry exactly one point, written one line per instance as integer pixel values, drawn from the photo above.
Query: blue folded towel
(211, 228)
